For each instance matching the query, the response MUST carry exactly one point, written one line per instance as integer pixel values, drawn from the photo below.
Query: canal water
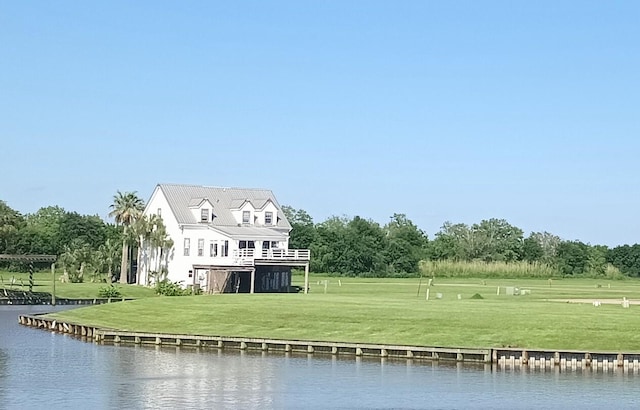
(43, 370)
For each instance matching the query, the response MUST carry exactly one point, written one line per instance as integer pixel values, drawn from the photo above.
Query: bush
(110, 291)
(168, 288)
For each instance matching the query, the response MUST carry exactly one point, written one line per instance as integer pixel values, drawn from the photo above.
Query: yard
(391, 311)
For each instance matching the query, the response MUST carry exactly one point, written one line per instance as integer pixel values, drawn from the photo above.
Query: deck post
(253, 280)
(306, 278)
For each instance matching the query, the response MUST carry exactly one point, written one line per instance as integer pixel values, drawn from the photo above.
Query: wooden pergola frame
(31, 259)
(28, 258)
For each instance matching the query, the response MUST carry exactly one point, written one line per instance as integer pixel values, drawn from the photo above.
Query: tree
(597, 262)
(161, 244)
(329, 247)
(303, 232)
(548, 243)
(41, 233)
(496, 240)
(140, 233)
(365, 245)
(454, 242)
(152, 241)
(77, 259)
(572, 257)
(406, 245)
(125, 209)
(532, 249)
(90, 228)
(109, 256)
(351, 247)
(626, 258)
(10, 222)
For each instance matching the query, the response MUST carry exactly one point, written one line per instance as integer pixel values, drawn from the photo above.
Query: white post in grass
(427, 294)
(306, 278)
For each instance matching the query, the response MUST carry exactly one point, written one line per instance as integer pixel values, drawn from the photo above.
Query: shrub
(168, 288)
(110, 291)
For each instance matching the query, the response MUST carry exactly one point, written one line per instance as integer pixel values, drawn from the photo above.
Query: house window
(265, 244)
(200, 247)
(204, 215)
(187, 246)
(268, 218)
(246, 215)
(225, 248)
(213, 249)
(274, 244)
(159, 211)
(247, 245)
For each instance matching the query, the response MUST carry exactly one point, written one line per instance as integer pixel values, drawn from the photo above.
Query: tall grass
(478, 269)
(507, 270)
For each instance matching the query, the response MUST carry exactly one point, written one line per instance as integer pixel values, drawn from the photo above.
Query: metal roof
(182, 197)
(252, 232)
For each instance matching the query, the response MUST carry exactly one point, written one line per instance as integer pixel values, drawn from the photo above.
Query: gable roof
(182, 197)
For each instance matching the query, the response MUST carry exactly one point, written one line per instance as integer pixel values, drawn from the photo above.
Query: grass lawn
(43, 283)
(390, 311)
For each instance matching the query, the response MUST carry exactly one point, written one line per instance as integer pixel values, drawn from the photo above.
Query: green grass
(43, 283)
(389, 311)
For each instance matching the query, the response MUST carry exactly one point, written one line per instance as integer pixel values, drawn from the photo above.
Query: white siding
(181, 267)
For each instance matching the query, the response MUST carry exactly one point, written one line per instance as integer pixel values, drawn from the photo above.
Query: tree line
(92, 249)
(362, 247)
(87, 247)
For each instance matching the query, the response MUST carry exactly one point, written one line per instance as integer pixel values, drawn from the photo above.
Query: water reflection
(194, 378)
(39, 369)
(4, 372)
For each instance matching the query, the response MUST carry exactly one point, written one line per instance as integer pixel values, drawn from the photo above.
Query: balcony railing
(273, 254)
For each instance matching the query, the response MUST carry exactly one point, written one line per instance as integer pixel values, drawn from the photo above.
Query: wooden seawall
(26, 298)
(502, 358)
(108, 336)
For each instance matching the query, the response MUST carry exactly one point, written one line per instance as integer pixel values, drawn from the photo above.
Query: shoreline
(502, 357)
(31, 301)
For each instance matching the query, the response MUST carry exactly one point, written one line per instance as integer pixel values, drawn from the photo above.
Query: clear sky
(442, 110)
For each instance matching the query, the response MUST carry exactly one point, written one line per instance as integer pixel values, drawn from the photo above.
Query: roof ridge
(215, 187)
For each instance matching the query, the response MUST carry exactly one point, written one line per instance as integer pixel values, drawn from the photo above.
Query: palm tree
(108, 255)
(141, 232)
(78, 258)
(126, 208)
(161, 243)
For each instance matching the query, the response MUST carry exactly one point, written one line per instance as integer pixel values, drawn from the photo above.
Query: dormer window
(246, 215)
(268, 218)
(204, 215)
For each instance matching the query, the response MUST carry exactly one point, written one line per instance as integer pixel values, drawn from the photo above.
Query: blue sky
(459, 111)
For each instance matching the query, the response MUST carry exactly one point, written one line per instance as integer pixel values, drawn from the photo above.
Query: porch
(250, 256)
(249, 270)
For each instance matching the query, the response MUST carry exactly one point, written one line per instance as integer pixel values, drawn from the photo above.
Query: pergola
(31, 259)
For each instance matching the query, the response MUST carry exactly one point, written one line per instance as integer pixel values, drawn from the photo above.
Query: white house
(224, 240)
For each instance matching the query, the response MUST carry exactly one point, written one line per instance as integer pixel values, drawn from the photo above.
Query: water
(39, 369)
